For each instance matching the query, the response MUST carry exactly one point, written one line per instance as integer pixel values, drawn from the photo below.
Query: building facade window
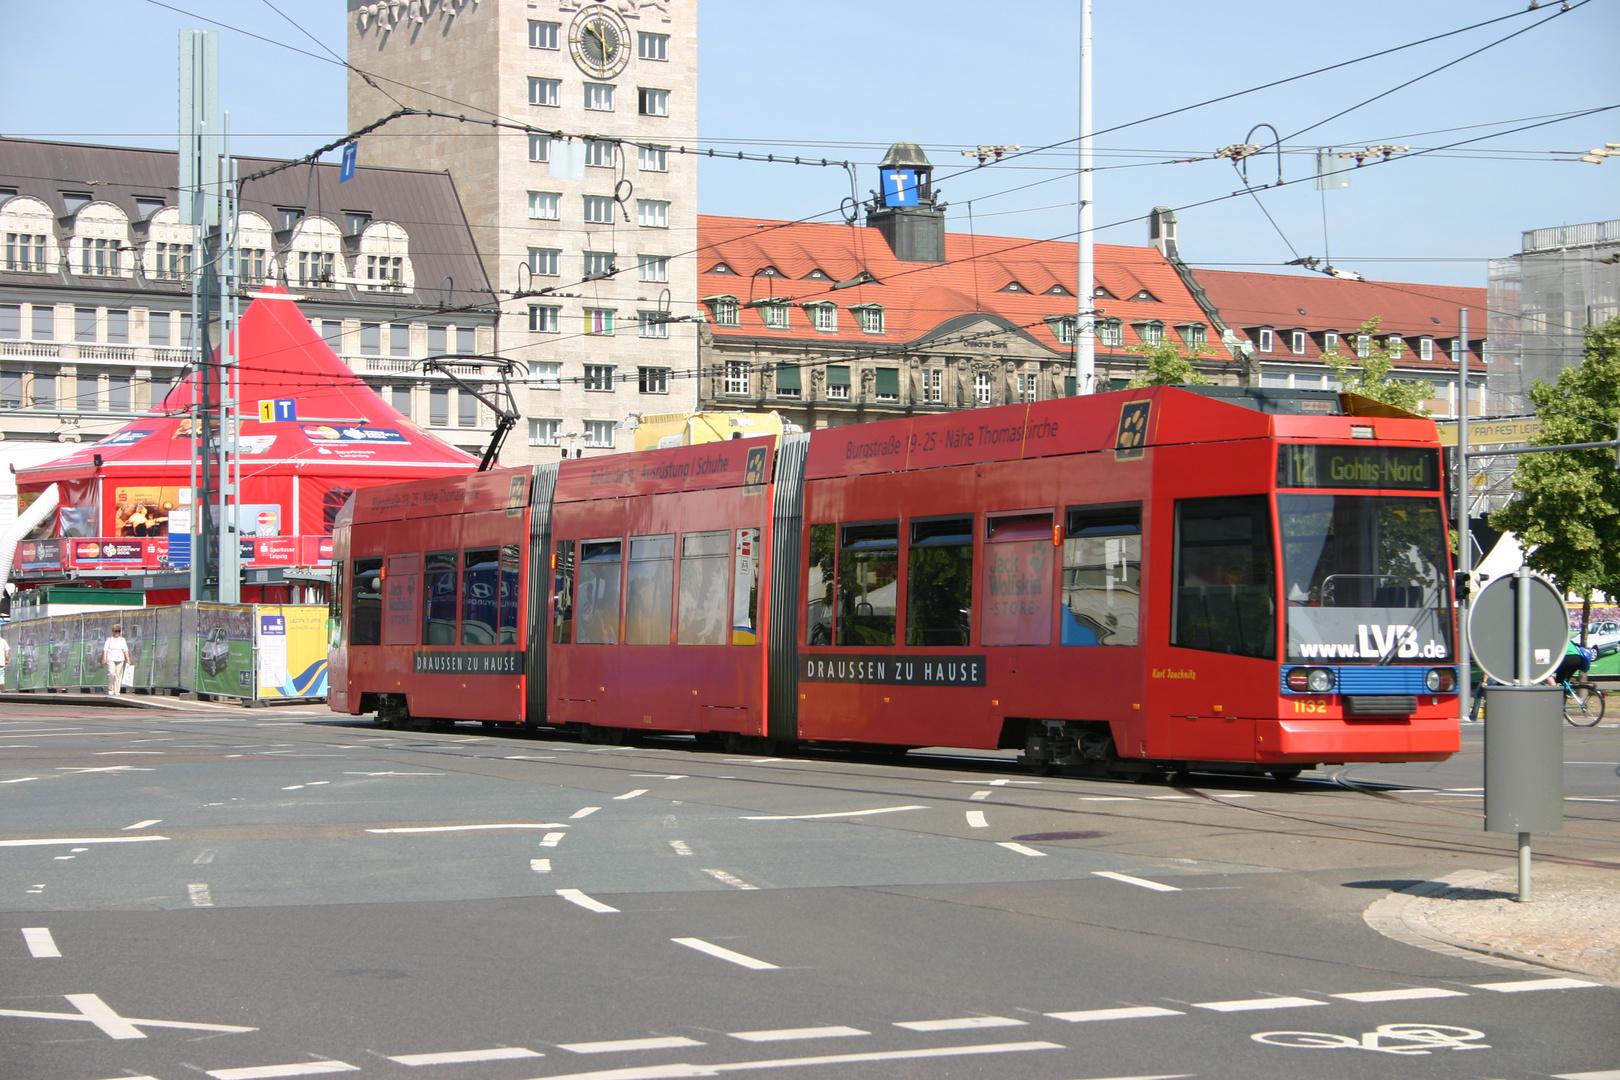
(370, 339)
(45, 390)
(87, 392)
(1111, 332)
(399, 339)
(886, 384)
(545, 319)
(599, 97)
(823, 317)
(789, 381)
(26, 252)
(539, 148)
(543, 35)
(652, 213)
(727, 311)
(400, 399)
(1426, 349)
(599, 434)
(544, 432)
(545, 375)
(1029, 385)
(545, 262)
(599, 153)
(1193, 335)
(652, 46)
(599, 264)
(1265, 341)
(837, 382)
(118, 327)
(652, 267)
(1363, 346)
(384, 271)
(775, 315)
(1150, 333)
(652, 102)
(545, 205)
(84, 324)
(439, 406)
(251, 264)
(315, 268)
(981, 387)
(933, 385)
(10, 322)
(466, 409)
(598, 321)
(1330, 341)
(99, 257)
(173, 262)
(1396, 346)
(870, 318)
(1296, 342)
(652, 158)
(545, 92)
(652, 380)
(466, 340)
(738, 378)
(599, 209)
(653, 324)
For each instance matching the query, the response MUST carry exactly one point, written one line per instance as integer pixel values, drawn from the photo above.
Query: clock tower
(576, 169)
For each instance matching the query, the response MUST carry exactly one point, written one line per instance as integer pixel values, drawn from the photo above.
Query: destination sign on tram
(1413, 468)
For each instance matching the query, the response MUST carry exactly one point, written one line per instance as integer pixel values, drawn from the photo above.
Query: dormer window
(1058, 290)
(288, 216)
(30, 235)
(1193, 335)
(1396, 346)
(1063, 328)
(774, 312)
(357, 221)
(1296, 342)
(74, 201)
(1013, 286)
(1266, 339)
(768, 271)
(146, 207)
(870, 318)
(1150, 333)
(1330, 341)
(1426, 349)
(823, 316)
(1146, 296)
(1111, 332)
(725, 310)
(721, 268)
(1101, 293)
(816, 275)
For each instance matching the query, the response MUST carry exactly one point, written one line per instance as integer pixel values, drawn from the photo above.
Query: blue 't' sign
(900, 187)
(346, 170)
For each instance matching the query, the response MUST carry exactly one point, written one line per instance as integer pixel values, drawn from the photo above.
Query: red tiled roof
(918, 297)
(1247, 301)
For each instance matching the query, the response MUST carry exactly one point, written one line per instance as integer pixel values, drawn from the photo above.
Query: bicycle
(1583, 703)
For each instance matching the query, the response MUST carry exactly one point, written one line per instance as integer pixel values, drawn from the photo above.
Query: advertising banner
(164, 647)
(39, 554)
(292, 651)
(225, 650)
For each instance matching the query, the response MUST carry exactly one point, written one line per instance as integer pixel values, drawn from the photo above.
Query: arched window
(315, 256)
(30, 235)
(385, 258)
(100, 244)
(167, 255)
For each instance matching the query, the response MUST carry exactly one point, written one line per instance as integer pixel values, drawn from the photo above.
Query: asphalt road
(238, 895)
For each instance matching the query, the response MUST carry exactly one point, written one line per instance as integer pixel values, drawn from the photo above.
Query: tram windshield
(1365, 578)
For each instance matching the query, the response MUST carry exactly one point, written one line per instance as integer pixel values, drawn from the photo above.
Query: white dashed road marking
(540, 866)
(961, 1023)
(616, 1046)
(271, 1072)
(975, 820)
(467, 1057)
(584, 811)
(552, 839)
(630, 794)
(1519, 986)
(790, 1034)
(1140, 882)
(721, 953)
(1256, 1004)
(839, 814)
(574, 896)
(39, 941)
(680, 847)
(142, 824)
(1134, 1012)
(471, 828)
(1410, 993)
(1020, 848)
(729, 879)
(979, 796)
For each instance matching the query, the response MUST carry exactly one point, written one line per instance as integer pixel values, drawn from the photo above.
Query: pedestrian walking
(115, 654)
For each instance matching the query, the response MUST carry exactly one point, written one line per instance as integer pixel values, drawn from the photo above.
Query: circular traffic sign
(1493, 622)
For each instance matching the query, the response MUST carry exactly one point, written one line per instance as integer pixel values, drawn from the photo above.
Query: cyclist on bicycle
(1576, 661)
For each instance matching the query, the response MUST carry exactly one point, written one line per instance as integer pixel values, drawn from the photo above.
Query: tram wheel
(1283, 776)
(1181, 778)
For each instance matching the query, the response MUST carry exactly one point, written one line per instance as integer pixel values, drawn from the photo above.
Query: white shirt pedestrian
(115, 654)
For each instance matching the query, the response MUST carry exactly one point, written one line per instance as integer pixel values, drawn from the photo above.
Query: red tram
(1161, 579)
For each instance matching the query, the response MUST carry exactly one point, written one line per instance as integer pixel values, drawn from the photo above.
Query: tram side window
(480, 599)
(1102, 575)
(439, 599)
(365, 603)
(705, 558)
(823, 572)
(868, 577)
(562, 593)
(649, 590)
(1017, 597)
(334, 612)
(598, 597)
(511, 586)
(745, 597)
(1225, 577)
(939, 581)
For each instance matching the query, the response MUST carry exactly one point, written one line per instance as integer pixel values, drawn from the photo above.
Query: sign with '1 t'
(278, 410)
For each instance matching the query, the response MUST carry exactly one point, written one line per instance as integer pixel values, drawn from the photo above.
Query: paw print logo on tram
(1132, 435)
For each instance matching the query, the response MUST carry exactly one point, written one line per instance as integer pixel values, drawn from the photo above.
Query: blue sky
(843, 80)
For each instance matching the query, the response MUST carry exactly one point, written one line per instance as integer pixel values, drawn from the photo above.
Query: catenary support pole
(1465, 552)
(1085, 328)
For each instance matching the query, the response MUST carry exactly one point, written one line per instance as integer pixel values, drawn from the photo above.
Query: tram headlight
(1440, 680)
(1311, 680)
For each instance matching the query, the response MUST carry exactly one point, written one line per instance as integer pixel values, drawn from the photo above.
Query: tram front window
(1365, 578)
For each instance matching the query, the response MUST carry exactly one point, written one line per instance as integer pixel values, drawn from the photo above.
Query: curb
(122, 701)
(1392, 916)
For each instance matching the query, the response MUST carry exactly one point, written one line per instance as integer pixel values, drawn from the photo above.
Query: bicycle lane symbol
(1403, 1039)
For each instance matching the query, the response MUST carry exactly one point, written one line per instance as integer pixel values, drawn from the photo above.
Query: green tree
(1369, 376)
(1567, 514)
(1166, 366)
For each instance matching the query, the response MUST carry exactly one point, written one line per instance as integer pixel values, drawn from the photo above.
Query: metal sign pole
(1465, 553)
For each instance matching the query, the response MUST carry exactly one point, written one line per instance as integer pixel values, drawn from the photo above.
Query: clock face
(599, 41)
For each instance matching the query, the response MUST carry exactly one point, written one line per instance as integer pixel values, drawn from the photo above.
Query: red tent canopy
(331, 434)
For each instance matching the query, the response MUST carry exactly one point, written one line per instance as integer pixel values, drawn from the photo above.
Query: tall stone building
(582, 201)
